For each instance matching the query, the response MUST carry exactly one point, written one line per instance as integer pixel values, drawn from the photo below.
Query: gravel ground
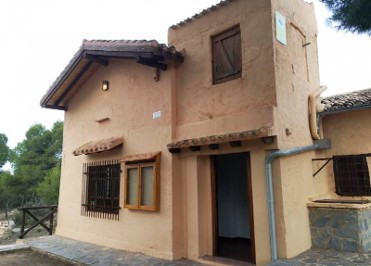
(30, 258)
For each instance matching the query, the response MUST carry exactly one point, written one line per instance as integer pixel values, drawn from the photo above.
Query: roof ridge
(349, 93)
(222, 3)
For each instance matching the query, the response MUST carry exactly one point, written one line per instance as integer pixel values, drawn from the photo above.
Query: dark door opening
(233, 221)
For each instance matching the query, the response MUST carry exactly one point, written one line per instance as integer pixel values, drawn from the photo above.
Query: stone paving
(15, 247)
(82, 253)
(321, 257)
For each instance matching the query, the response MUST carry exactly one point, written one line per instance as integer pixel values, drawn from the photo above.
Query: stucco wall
(349, 133)
(193, 203)
(204, 109)
(296, 76)
(273, 90)
(296, 71)
(132, 97)
(246, 103)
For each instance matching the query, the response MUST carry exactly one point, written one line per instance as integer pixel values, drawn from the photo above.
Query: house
(340, 210)
(165, 146)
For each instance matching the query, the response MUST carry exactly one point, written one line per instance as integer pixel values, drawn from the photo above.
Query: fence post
(51, 221)
(23, 221)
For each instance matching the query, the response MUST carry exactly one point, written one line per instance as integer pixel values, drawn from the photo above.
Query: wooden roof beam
(97, 59)
(151, 63)
(73, 83)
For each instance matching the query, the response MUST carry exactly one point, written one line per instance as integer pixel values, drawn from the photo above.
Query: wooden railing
(38, 221)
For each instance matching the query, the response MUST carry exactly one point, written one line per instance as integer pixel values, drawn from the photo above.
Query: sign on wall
(281, 28)
(156, 115)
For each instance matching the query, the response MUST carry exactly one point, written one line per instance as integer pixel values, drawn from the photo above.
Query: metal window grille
(101, 189)
(351, 175)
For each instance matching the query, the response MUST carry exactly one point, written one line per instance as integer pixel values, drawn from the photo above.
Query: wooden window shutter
(227, 62)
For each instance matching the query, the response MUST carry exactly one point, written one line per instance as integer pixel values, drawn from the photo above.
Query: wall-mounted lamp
(105, 84)
(268, 140)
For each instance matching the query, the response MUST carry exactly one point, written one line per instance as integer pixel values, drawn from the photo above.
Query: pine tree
(350, 15)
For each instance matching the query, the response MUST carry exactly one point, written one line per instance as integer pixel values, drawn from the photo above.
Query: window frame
(139, 164)
(218, 38)
(356, 174)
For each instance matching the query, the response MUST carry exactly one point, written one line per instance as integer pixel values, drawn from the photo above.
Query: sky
(39, 37)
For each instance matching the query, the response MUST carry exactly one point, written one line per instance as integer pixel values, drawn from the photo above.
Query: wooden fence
(38, 221)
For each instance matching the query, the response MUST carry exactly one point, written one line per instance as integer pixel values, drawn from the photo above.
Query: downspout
(317, 145)
(314, 107)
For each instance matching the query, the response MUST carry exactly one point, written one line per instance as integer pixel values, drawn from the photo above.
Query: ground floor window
(142, 179)
(352, 176)
(101, 189)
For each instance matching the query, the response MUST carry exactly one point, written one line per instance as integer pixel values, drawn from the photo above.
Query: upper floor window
(226, 55)
(352, 176)
(101, 189)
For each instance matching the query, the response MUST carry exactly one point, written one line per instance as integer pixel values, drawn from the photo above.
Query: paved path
(82, 253)
(320, 257)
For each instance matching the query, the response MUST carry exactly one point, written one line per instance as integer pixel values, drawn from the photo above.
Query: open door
(233, 220)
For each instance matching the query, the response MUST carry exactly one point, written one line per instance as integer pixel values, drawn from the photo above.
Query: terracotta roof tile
(202, 13)
(348, 101)
(217, 139)
(98, 146)
(141, 157)
(129, 45)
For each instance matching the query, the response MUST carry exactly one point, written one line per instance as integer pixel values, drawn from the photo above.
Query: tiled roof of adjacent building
(95, 53)
(202, 13)
(348, 101)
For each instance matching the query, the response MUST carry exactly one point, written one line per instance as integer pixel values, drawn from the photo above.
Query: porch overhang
(93, 54)
(151, 156)
(98, 146)
(212, 142)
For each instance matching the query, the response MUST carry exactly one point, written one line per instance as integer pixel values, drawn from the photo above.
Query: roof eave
(152, 56)
(55, 86)
(345, 110)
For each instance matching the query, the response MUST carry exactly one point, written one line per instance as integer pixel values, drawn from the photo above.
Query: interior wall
(231, 180)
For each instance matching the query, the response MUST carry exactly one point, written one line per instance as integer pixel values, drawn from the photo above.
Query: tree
(33, 159)
(350, 15)
(4, 149)
(48, 189)
(10, 192)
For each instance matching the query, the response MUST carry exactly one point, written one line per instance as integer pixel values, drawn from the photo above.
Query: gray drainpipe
(317, 145)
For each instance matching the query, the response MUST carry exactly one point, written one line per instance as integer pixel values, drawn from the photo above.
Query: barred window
(352, 176)
(101, 189)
